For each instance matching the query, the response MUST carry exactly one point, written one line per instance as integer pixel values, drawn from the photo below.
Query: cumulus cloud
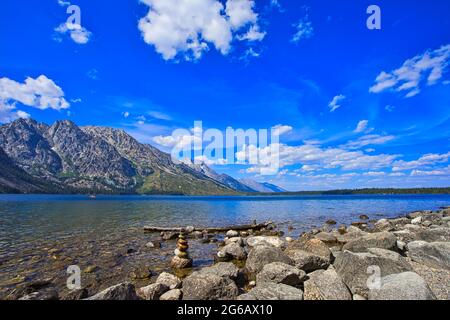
(427, 68)
(335, 103)
(188, 28)
(41, 93)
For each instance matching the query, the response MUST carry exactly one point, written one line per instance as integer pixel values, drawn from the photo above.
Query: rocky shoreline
(407, 258)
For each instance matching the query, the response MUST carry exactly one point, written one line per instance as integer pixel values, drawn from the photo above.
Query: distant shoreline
(340, 192)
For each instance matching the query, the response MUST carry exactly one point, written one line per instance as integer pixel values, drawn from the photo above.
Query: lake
(41, 235)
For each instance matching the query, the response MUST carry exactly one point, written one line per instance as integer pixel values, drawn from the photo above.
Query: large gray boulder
(260, 240)
(153, 291)
(208, 286)
(271, 291)
(347, 237)
(278, 272)
(123, 291)
(356, 268)
(384, 240)
(226, 270)
(308, 261)
(169, 280)
(327, 237)
(433, 235)
(435, 254)
(437, 279)
(403, 286)
(326, 285)
(311, 244)
(262, 255)
(232, 251)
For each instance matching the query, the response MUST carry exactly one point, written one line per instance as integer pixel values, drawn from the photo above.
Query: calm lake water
(99, 232)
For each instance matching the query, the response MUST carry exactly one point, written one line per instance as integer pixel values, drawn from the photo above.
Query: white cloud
(362, 126)
(279, 130)
(126, 114)
(368, 140)
(424, 162)
(9, 113)
(41, 93)
(78, 33)
(188, 27)
(335, 103)
(254, 34)
(159, 115)
(304, 29)
(428, 67)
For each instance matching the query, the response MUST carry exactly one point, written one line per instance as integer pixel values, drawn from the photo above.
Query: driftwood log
(210, 230)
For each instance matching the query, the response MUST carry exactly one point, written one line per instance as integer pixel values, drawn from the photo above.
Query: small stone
(364, 217)
(237, 240)
(141, 273)
(152, 244)
(358, 297)
(189, 229)
(289, 239)
(232, 234)
(180, 254)
(172, 295)
(76, 295)
(342, 229)
(90, 269)
(169, 236)
(180, 263)
(417, 220)
(331, 222)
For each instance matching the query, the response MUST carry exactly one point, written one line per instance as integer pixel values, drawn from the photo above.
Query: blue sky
(362, 108)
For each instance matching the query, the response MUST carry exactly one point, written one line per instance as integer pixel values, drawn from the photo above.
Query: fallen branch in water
(210, 230)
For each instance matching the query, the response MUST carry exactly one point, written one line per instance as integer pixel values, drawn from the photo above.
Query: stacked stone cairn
(181, 259)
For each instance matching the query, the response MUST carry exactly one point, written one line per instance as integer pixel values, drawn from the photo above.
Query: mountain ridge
(66, 158)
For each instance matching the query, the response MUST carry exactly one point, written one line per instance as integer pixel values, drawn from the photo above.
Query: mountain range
(64, 158)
